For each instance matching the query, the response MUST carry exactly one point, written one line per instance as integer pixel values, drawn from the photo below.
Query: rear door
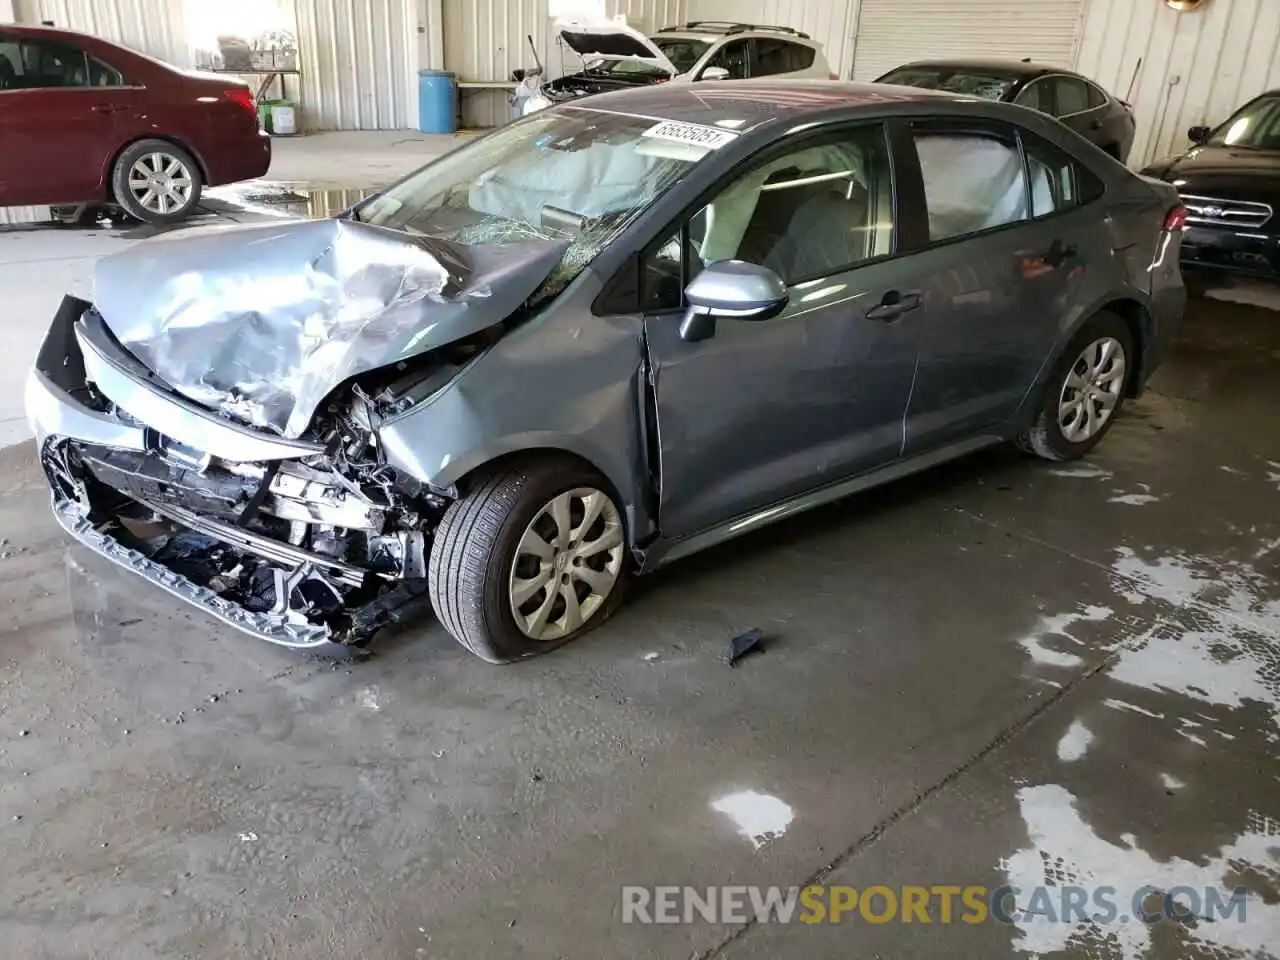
(58, 108)
(766, 410)
(1003, 262)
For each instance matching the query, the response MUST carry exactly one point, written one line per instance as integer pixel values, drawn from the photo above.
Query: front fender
(563, 381)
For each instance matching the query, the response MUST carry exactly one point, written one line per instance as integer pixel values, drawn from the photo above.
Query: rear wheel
(157, 182)
(532, 558)
(1084, 393)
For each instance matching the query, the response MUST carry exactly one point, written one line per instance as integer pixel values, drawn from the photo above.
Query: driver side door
(766, 410)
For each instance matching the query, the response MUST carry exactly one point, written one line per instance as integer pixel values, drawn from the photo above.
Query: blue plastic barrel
(437, 102)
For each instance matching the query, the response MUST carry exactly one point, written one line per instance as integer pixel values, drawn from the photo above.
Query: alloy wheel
(160, 183)
(567, 564)
(1092, 390)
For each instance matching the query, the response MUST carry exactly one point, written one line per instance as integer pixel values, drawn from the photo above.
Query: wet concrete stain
(991, 672)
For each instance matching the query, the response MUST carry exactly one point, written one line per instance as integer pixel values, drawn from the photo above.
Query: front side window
(1036, 95)
(1072, 96)
(683, 53)
(972, 182)
(732, 57)
(1256, 126)
(580, 176)
(813, 212)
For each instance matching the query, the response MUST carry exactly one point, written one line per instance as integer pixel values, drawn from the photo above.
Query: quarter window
(1072, 96)
(1096, 97)
(1058, 181)
(800, 56)
(818, 210)
(972, 182)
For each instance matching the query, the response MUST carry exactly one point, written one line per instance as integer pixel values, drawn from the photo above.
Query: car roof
(757, 102)
(711, 36)
(1009, 68)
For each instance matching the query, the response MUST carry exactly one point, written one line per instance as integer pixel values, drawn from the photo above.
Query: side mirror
(715, 73)
(732, 289)
(1199, 135)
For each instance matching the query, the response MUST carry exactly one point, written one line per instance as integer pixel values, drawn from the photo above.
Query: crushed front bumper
(69, 425)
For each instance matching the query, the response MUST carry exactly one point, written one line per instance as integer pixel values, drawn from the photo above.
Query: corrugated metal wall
(1195, 67)
(152, 26)
(359, 61)
(484, 42)
(890, 33)
(827, 21)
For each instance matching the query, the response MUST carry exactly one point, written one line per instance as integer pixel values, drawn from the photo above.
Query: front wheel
(1084, 393)
(532, 558)
(157, 182)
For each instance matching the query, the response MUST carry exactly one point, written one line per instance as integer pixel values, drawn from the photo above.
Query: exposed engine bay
(329, 547)
(590, 82)
(240, 466)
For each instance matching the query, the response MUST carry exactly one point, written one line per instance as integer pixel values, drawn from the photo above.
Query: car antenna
(536, 61)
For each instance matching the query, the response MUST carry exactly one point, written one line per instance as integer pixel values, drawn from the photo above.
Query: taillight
(242, 97)
(1176, 219)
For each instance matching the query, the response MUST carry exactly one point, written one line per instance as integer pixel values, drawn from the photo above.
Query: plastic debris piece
(745, 643)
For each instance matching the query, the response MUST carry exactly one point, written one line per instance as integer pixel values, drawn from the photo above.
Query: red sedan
(84, 121)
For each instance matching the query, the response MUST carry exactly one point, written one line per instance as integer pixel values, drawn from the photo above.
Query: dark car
(1075, 100)
(83, 121)
(599, 339)
(1230, 183)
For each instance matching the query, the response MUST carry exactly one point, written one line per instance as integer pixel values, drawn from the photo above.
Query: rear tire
(1085, 392)
(481, 562)
(157, 182)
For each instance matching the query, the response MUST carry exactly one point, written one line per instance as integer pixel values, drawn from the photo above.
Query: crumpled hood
(261, 323)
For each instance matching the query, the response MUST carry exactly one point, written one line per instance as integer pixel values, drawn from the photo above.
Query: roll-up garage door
(893, 32)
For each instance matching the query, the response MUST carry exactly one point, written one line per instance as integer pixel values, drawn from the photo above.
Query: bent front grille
(1215, 212)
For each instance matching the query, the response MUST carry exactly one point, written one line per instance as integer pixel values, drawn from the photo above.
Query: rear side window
(972, 182)
(1058, 180)
(772, 56)
(1072, 96)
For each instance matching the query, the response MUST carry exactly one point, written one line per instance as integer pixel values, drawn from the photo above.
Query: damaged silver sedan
(598, 339)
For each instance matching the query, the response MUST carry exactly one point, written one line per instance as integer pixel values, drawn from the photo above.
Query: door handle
(893, 305)
(1058, 254)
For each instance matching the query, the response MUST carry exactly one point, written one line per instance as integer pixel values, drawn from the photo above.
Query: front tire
(1085, 391)
(533, 557)
(157, 182)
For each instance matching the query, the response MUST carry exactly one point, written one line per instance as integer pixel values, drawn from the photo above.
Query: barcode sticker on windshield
(692, 133)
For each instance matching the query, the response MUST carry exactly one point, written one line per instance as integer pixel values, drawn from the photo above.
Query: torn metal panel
(260, 323)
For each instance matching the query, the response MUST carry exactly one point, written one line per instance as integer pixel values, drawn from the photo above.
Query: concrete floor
(1001, 671)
